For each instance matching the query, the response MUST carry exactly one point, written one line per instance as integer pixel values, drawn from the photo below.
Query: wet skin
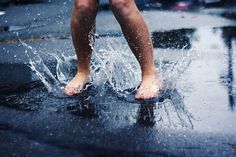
(136, 33)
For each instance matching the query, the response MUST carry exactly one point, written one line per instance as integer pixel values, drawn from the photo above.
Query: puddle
(107, 81)
(198, 66)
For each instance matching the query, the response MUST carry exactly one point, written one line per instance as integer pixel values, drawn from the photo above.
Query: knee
(84, 7)
(121, 7)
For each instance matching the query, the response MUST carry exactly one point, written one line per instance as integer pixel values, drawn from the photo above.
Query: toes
(68, 92)
(139, 95)
(72, 90)
(149, 96)
(147, 93)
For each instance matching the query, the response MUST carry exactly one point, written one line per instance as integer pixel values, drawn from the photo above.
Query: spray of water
(41, 70)
(114, 64)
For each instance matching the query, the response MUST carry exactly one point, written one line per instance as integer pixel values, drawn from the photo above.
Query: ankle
(84, 70)
(150, 72)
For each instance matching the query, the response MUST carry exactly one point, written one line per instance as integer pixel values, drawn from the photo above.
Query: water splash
(171, 71)
(116, 65)
(113, 65)
(173, 112)
(38, 66)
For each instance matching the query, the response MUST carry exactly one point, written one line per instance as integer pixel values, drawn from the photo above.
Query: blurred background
(161, 4)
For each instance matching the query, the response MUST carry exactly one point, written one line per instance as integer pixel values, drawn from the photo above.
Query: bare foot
(76, 84)
(149, 87)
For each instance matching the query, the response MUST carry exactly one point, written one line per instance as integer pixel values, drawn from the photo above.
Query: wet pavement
(194, 116)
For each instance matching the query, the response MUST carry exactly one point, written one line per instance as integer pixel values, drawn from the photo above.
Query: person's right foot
(76, 84)
(150, 87)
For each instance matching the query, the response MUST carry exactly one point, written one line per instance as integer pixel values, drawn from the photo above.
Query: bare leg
(82, 23)
(136, 32)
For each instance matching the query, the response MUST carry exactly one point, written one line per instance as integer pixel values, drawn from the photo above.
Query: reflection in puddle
(146, 115)
(175, 39)
(228, 35)
(84, 107)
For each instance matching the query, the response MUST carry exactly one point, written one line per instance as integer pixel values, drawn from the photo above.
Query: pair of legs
(135, 31)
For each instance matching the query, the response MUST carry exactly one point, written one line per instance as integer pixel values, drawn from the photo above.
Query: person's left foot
(76, 85)
(149, 87)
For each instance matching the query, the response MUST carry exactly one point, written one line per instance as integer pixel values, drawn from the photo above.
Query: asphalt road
(194, 50)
